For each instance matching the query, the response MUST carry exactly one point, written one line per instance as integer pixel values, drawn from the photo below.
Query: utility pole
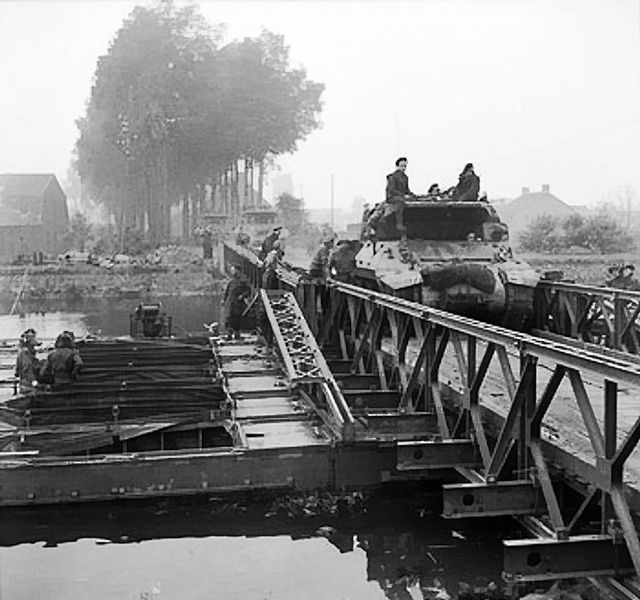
(332, 186)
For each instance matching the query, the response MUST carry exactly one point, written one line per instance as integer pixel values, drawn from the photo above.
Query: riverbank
(82, 281)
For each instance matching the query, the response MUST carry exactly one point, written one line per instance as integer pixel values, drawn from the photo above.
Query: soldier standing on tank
(468, 186)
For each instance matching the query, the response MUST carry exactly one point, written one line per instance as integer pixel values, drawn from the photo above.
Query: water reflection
(106, 316)
(228, 548)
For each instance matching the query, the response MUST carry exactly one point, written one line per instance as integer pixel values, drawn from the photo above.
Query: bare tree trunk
(260, 180)
(252, 198)
(235, 200)
(245, 199)
(185, 216)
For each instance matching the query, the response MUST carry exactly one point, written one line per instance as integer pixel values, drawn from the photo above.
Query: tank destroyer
(446, 254)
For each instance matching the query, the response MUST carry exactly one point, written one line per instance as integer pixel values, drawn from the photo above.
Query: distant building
(521, 211)
(33, 215)
(281, 184)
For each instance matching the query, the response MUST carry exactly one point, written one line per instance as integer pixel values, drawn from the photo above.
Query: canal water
(394, 546)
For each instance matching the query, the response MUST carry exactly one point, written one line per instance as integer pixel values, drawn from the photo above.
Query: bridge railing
(457, 367)
(600, 315)
(433, 353)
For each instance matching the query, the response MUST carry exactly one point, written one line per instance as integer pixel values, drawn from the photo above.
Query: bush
(599, 233)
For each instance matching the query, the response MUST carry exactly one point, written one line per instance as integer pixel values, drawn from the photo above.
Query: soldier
(271, 261)
(269, 241)
(27, 363)
(396, 193)
(433, 193)
(320, 260)
(235, 299)
(398, 182)
(623, 277)
(63, 364)
(207, 244)
(468, 186)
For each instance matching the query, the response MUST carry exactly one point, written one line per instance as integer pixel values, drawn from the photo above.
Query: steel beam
(577, 556)
(420, 455)
(463, 500)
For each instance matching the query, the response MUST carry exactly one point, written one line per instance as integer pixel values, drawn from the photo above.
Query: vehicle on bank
(451, 255)
(255, 225)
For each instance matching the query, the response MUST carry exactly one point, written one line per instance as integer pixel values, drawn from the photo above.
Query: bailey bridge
(352, 389)
(519, 417)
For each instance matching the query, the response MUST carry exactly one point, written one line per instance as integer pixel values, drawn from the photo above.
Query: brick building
(33, 215)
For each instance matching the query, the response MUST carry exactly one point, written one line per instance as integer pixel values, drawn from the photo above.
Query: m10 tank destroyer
(446, 254)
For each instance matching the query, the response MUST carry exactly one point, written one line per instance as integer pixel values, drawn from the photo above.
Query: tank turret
(450, 255)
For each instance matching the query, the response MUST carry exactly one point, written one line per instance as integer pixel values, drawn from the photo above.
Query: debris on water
(319, 504)
(458, 535)
(325, 531)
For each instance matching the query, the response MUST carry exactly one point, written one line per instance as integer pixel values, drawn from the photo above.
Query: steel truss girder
(592, 314)
(577, 556)
(352, 309)
(462, 500)
(421, 455)
(304, 363)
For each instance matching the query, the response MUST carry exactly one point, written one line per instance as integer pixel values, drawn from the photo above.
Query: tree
(574, 231)
(542, 235)
(292, 213)
(170, 113)
(79, 232)
(600, 233)
(603, 233)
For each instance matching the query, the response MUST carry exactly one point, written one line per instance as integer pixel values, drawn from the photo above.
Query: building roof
(25, 184)
(518, 213)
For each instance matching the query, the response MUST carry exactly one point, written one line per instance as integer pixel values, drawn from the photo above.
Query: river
(211, 548)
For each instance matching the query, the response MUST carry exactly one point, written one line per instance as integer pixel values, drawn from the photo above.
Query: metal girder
(361, 317)
(576, 358)
(577, 556)
(420, 455)
(463, 500)
(303, 360)
(593, 314)
(401, 426)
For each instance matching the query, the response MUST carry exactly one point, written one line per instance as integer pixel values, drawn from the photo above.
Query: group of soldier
(397, 193)
(61, 367)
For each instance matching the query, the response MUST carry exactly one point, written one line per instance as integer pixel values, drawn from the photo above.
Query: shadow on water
(393, 545)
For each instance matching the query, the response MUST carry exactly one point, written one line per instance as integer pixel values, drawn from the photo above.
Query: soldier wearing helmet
(27, 363)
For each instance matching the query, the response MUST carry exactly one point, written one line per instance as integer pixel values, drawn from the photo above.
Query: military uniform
(27, 369)
(319, 262)
(235, 294)
(63, 365)
(468, 188)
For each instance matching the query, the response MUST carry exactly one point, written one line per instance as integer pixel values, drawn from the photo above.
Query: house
(521, 211)
(33, 215)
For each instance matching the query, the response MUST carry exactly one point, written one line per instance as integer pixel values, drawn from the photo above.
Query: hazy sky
(532, 92)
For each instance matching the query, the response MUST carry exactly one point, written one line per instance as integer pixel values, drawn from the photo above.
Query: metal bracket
(421, 455)
(577, 556)
(490, 500)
